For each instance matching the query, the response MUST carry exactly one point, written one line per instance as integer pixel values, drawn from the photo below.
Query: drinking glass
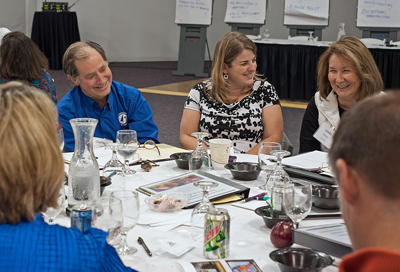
(264, 159)
(131, 212)
(113, 165)
(60, 137)
(199, 212)
(297, 201)
(278, 174)
(128, 139)
(199, 156)
(108, 217)
(311, 38)
(51, 213)
(267, 33)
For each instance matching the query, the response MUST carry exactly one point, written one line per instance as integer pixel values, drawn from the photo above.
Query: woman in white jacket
(347, 73)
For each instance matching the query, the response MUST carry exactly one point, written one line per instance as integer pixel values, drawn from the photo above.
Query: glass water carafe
(84, 177)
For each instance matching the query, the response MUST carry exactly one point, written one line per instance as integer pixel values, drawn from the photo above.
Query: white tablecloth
(249, 237)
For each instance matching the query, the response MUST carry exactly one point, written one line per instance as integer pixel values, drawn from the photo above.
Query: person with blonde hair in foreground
(31, 175)
(364, 157)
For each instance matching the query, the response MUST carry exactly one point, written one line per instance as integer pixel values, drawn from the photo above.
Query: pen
(140, 241)
(253, 197)
(262, 198)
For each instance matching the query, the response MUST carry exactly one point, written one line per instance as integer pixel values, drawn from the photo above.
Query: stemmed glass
(199, 154)
(51, 213)
(278, 175)
(297, 201)
(108, 217)
(311, 38)
(267, 33)
(60, 137)
(131, 212)
(264, 159)
(113, 165)
(199, 212)
(128, 139)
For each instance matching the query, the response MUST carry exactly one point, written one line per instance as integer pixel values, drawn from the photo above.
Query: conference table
(249, 237)
(291, 65)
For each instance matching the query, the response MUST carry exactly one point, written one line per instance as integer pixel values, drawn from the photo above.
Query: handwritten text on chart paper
(194, 5)
(304, 7)
(242, 4)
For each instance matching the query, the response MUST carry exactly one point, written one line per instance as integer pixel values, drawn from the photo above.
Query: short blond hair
(31, 165)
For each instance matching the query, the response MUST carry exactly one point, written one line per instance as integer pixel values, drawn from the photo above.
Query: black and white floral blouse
(241, 121)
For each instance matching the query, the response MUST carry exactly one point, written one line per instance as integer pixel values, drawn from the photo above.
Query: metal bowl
(325, 196)
(244, 170)
(268, 220)
(182, 160)
(300, 259)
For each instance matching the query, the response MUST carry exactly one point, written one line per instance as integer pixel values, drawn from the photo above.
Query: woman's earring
(226, 77)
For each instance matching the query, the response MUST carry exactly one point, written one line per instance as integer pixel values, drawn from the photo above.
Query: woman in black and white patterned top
(233, 104)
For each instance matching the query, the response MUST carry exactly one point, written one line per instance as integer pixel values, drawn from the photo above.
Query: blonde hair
(226, 50)
(353, 50)
(31, 168)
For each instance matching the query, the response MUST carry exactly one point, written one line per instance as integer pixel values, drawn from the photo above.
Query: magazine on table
(184, 183)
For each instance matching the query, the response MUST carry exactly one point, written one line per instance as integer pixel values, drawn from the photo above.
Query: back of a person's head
(79, 51)
(31, 164)
(368, 139)
(21, 58)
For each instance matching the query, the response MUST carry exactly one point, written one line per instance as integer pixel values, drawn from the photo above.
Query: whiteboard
(378, 13)
(193, 12)
(246, 11)
(306, 12)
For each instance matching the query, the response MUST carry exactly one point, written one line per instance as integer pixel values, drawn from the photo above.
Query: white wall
(144, 30)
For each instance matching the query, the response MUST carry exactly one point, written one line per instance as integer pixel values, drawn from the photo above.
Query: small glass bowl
(167, 202)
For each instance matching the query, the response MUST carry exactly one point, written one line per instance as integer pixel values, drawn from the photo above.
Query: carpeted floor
(166, 95)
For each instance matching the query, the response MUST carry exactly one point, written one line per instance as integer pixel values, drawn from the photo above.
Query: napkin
(172, 246)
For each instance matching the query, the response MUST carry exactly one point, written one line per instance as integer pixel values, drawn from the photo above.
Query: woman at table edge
(31, 175)
(347, 73)
(234, 103)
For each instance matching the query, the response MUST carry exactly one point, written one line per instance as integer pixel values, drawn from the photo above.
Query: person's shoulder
(70, 99)
(123, 88)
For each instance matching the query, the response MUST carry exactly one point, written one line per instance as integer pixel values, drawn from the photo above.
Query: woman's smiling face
(343, 77)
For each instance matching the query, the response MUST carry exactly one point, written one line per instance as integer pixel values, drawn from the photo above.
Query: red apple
(281, 234)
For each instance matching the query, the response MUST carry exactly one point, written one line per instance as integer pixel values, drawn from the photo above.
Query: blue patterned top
(46, 84)
(37, 246)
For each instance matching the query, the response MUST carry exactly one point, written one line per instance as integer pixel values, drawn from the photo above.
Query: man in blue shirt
(115, 105)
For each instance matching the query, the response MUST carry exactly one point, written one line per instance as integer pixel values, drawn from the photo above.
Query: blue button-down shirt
(37, 246)
(126, 108)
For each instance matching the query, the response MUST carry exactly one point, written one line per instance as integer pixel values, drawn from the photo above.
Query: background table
(291, 66)
(53, 32)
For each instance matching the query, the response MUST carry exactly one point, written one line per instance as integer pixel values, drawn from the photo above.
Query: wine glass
(199, 212)
(297, 201)
(264, 159)
(278, 175)
(310, 38)
(131, 212)
(107, 216)
(51, 213)
(60, 137)
(267, 33)
(113, 165)
(199, 154)
(128, 139)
